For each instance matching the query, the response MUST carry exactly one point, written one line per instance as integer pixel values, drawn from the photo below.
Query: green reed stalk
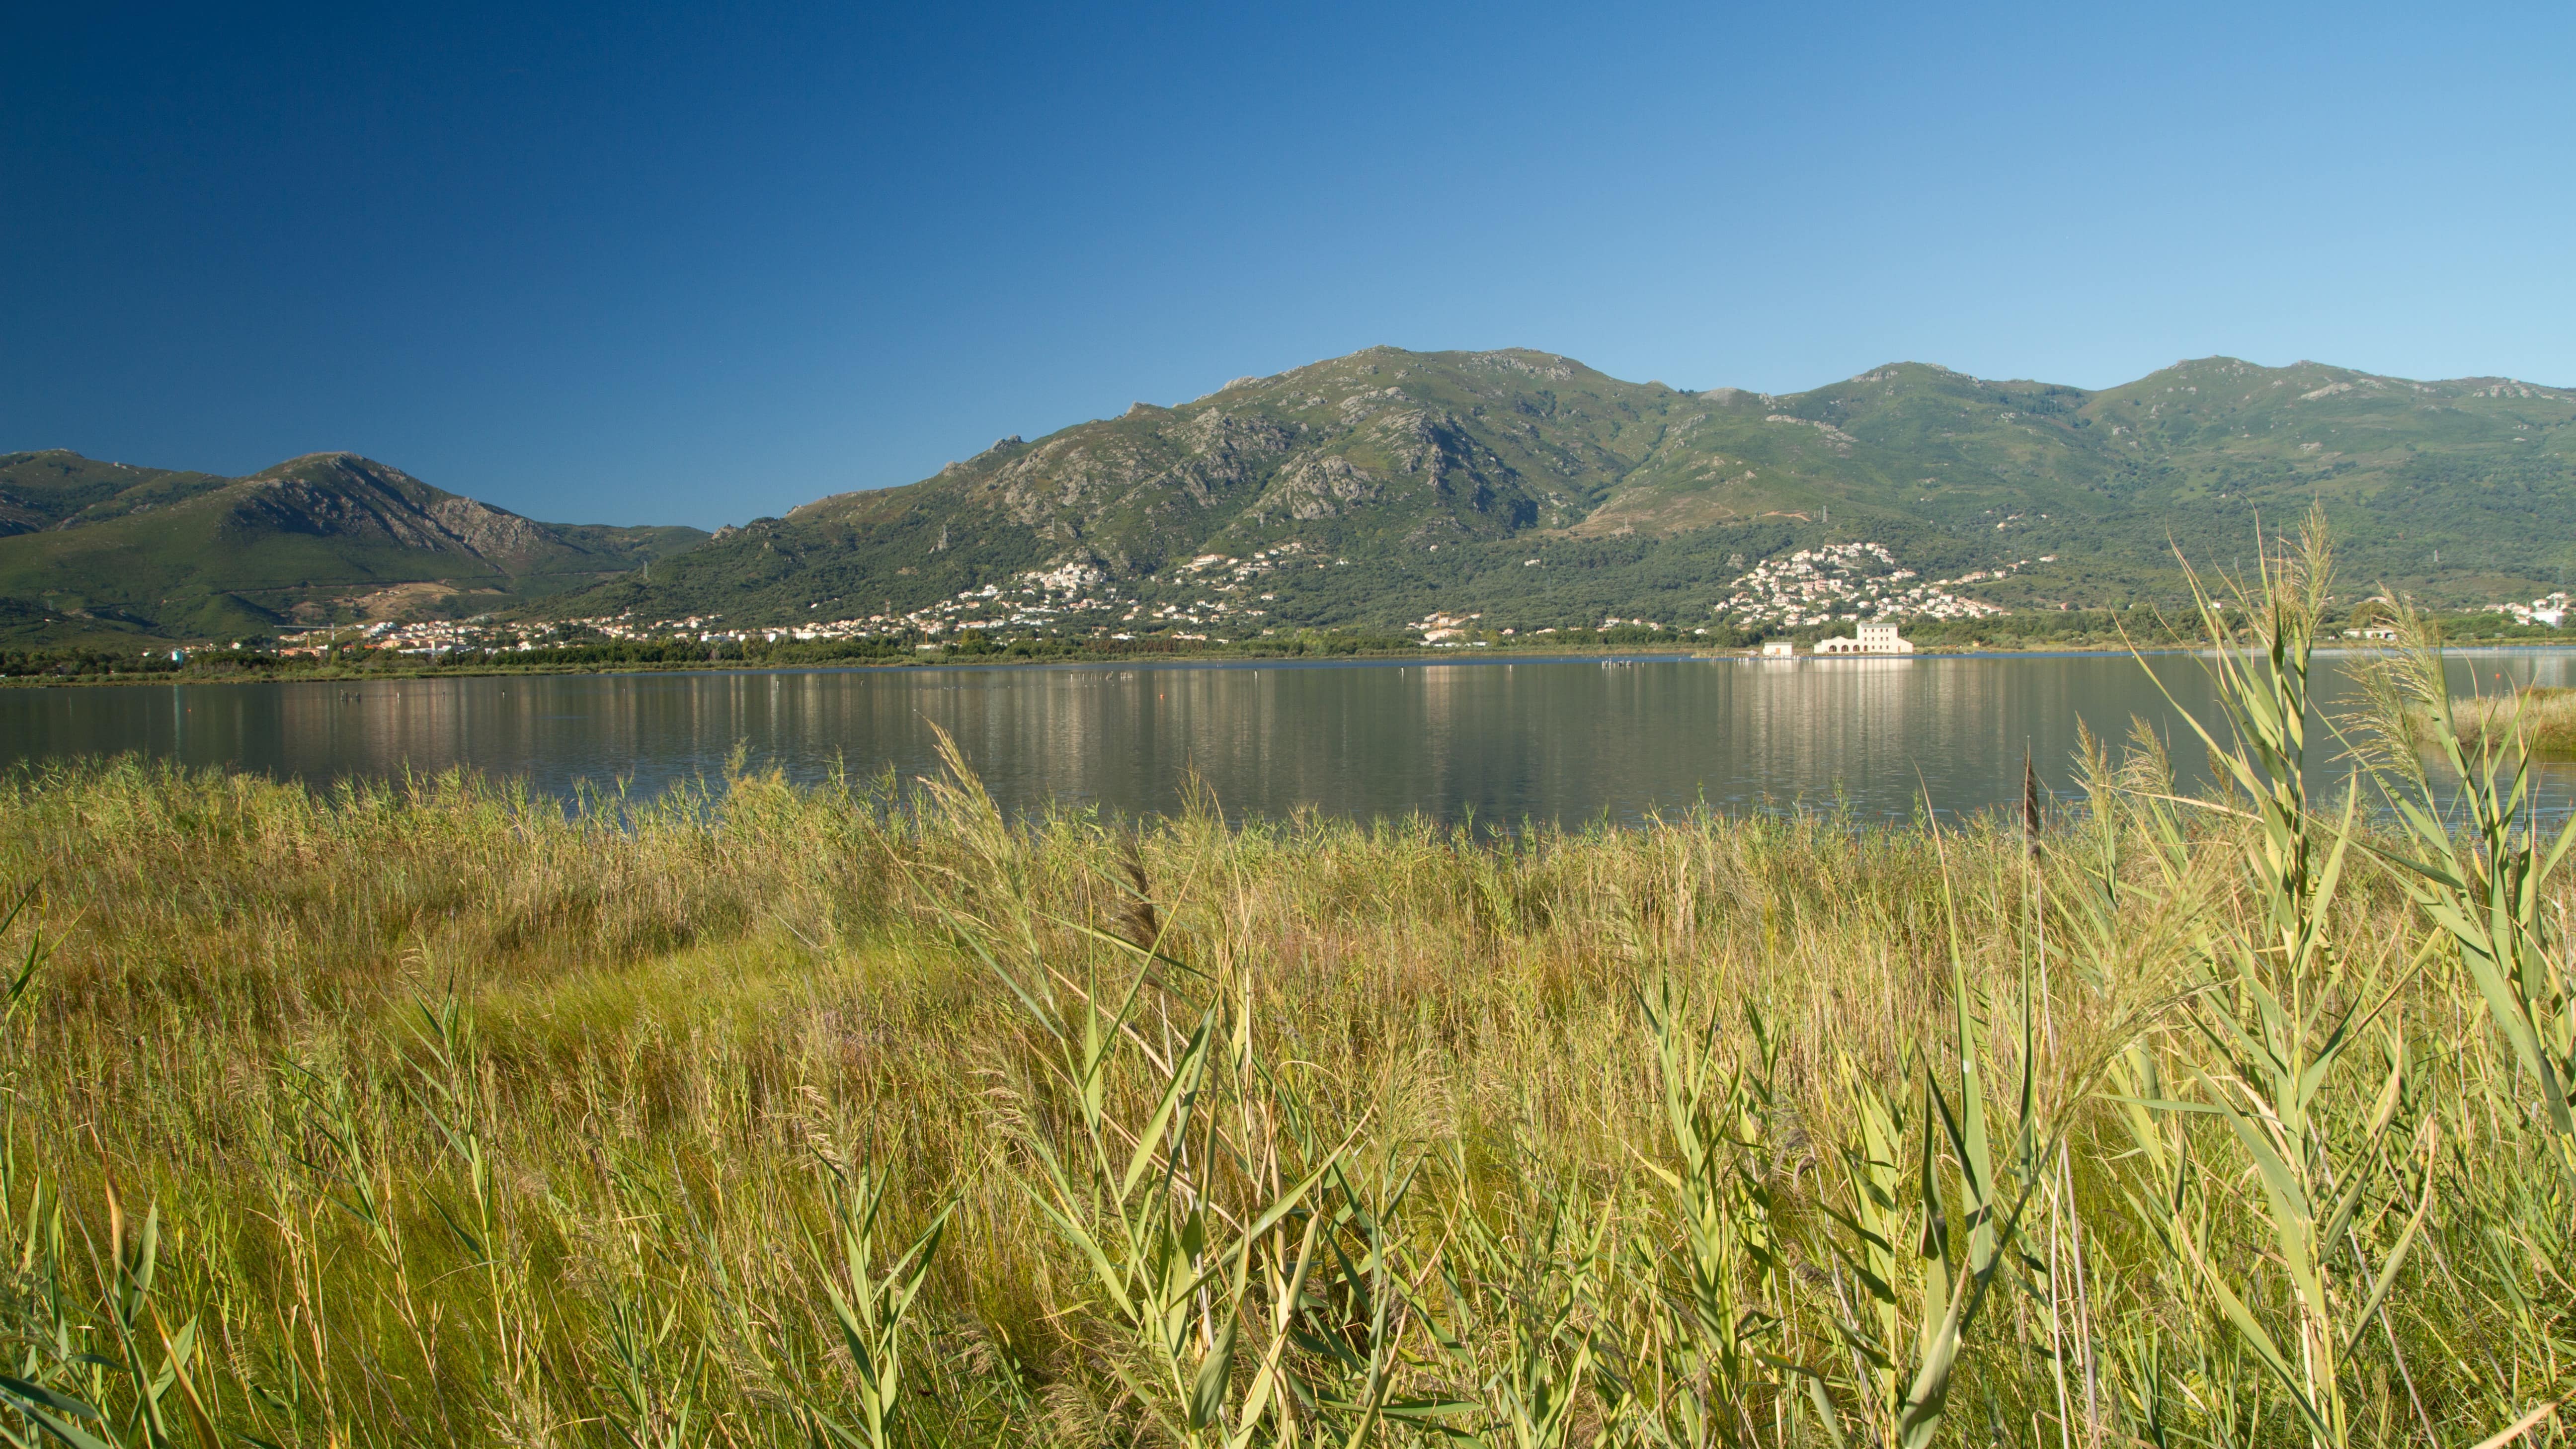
(1724, 1210)
(871, 1302)
(2485, 884)
(2285, 1008)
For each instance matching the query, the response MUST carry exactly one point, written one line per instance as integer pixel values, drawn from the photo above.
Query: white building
(1779, 649)
(1874, 639)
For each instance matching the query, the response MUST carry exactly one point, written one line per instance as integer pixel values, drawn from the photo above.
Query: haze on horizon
(650, 265)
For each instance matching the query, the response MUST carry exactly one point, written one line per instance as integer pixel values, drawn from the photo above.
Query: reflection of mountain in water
(1501, 742)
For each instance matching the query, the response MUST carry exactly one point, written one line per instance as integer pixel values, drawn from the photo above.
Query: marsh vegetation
(847, 1116)
(2539, 718)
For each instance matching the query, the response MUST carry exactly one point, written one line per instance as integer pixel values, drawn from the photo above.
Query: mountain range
(1536, 490)
(1518, 484)
(94, 552)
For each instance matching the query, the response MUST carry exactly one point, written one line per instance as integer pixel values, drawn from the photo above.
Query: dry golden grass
(2543, 717)
(675, 1019)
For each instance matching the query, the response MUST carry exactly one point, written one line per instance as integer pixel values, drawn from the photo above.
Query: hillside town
(1221, 598)
(1041, 600)
(1212, 588)
(1205, 598)
(1212, 597)
(1847, 582)
(2549, 610)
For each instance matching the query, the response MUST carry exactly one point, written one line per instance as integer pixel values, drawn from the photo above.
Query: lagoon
(1499, 741)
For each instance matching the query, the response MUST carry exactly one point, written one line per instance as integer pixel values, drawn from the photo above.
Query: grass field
(846, 1116)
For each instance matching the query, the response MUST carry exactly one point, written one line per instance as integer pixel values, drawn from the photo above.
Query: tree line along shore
(861, 1114)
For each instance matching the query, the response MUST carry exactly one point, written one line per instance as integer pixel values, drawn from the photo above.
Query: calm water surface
(1561, 741)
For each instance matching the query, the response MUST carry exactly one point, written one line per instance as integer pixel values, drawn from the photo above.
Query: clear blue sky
(698, 263)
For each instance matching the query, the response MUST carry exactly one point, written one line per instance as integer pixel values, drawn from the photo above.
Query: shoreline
(1210, 660)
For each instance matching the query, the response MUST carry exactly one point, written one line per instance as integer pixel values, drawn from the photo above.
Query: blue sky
(695, 264)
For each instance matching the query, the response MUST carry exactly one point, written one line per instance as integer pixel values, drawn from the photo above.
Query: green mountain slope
(49, 489)
(102, 546)
(1399, 483)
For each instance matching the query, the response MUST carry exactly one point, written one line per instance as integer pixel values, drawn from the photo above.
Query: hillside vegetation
(1538, 491)
(105, 551)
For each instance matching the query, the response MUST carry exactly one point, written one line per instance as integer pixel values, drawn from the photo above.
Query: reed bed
(2542, 717)
(836, 1115)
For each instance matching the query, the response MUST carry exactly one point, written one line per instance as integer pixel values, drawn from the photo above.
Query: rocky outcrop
(493, 533)
(1315, 488)
(342, 495)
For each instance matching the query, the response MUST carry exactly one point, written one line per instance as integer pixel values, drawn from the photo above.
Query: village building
(1779, 649)
(1874, 639)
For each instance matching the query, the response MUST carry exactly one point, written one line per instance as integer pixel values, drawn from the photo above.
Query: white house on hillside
(1874, 639)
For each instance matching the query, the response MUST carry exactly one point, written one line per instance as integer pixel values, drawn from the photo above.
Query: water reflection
(1561, 741)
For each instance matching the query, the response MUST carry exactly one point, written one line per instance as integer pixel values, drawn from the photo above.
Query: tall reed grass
(2540, 717)
(440, 1114)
